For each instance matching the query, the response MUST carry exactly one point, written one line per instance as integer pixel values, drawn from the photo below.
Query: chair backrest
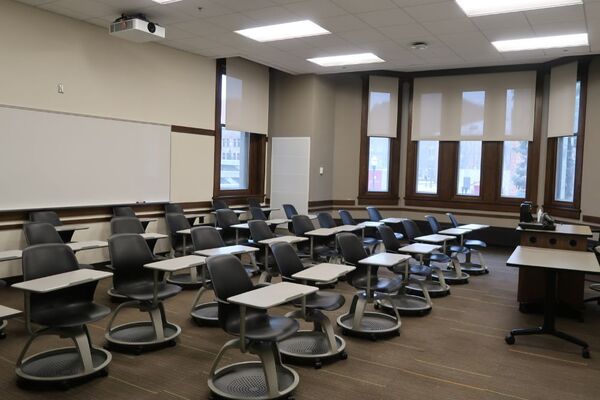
(123, 211)
(411, 229)
(259, 230)
(171, 208)
(126, 225)
(220, 204)
(45, 216)
(453, 220)
(326, 220)
(390, 242)
(40, 233)
(287, 259)
(374, 214)
(129, 252)
(301, 224)
(353, 251)
(346, 217)
(258, 213)
(254, 202)
(226, 218)
(206, 237)
(228, 279)
(289, 210)
(176, 222)
(49, 259)
(433, 223)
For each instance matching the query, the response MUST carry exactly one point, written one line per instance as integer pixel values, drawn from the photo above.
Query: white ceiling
(385, 27)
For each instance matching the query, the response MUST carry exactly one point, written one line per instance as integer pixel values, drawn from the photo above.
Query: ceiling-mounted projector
(136, 28)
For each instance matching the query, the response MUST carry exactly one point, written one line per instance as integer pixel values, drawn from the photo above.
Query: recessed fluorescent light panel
(165, 1)
(289, 30)
(545, 42)
(348, 59)
(475, 8)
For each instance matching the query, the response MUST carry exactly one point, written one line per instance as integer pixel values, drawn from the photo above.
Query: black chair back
(301, 224)
(123, 211)
(126, 225)
(374, 214)
(353, 251)
(390, 242)
(326, 220)
(259, 230)
(287, 260)
(129, 252)
(172, 208)
(220, 204)
(229, 278)
(411, 229)
(176, 222)
(289, 210)
(226, 218)
(44, 260)
(453, 220)
(346, 217)
(433, 223)
(45, 216)
(258, 213)
(40, 233)
(206, 237)
(254, 202)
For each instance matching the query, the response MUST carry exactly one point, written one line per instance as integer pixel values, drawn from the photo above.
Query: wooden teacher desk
(570, 287)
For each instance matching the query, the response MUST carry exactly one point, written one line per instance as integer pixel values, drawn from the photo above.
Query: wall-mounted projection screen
(50, 159)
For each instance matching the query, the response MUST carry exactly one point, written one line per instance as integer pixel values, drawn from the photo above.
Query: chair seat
(439, 257)
(370, 241)
(475, 243)
(70, 315)
(398, 235)
(385, 285)
(323, 301)
(459, 249)
(261, 326)
(420, 269)
(144, 291)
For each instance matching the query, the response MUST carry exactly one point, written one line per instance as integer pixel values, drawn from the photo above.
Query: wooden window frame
(562, 208)
(490, 198)
(390, 197)
(257, 155)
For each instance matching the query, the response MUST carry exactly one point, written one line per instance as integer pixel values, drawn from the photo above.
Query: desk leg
(549, 326)
(184, 244)
(237, 236)
(312, 247)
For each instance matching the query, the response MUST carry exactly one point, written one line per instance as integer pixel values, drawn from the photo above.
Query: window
(469, 168)
(514, 169)
(566, 155)
(379, 161)
(427, 166)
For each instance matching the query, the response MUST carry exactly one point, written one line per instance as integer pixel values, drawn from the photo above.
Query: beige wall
(590, 185)
(102, 75)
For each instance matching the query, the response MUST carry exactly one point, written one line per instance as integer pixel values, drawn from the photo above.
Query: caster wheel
(510, 339)
(103, 373)
(64, 386)
(137, 351)
(373, 338)
(376, 306)
(585, 353)
(318, 364)
(343, 355)
(397, 333)
(345, 332)
(172, 343)
(2, 335)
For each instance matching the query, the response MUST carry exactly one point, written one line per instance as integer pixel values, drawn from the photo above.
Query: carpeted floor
(455, 352)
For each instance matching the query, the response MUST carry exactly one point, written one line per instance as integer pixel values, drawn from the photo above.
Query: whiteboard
(290, 173)
(51, 160)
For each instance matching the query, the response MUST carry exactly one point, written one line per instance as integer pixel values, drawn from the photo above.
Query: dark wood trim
(568, 209)
(391, 196)
(591, 219)
(191, 130)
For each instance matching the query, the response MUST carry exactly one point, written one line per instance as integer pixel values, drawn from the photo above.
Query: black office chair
(172, 208)
(220, 204)
(64, 313)
(412, 232)
(370, 240)
(259, 230)
(258, 213)
(375, 216)
(371, 287)
(289, 210)
(321, 250)
(178, 222)
(130, 225)
(326, 220)
(436, 227)
(254, 202)
(315, 345)
(475, 246)
(3, 323)
(129, 253)
(267, 378)
(123, 211)
(225, 219)
(52, 218)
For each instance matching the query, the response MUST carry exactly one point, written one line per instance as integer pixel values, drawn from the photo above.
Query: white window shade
(247, 96)
(383, 106)
(487, 107)
(563, 92)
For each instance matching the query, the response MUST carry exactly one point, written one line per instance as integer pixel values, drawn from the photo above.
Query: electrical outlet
(61, 88)
(321, 170)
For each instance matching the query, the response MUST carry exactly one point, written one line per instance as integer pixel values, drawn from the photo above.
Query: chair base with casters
(3, 324)
(435, 288)
(373, 325)
(140, 336)
(62, 366)
(313, 347)
(593, 286)
(470, 267)
(253, 379)
(454, 276)
(405, 303)
(187, 280)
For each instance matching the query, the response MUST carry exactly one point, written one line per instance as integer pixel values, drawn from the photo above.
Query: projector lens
(151, 27)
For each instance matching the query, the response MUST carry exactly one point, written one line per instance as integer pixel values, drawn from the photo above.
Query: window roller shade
(247, 96)
(488, 107)
(383, 106)
(563, 94)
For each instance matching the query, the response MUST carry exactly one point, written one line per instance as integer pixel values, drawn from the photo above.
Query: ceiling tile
(342, 23)
(502, 21)
(560, 28)
(209, 8)
(507, 34)
(435, 11)
(386, 17)
(245, 5)
(65, 11)
(315, 9)
(405, 33)
(556, 14)
(361, 6)
(199, 27)
(592, 11)
(272, 15)
(363, 36)
(458, 25)
(233, 22)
